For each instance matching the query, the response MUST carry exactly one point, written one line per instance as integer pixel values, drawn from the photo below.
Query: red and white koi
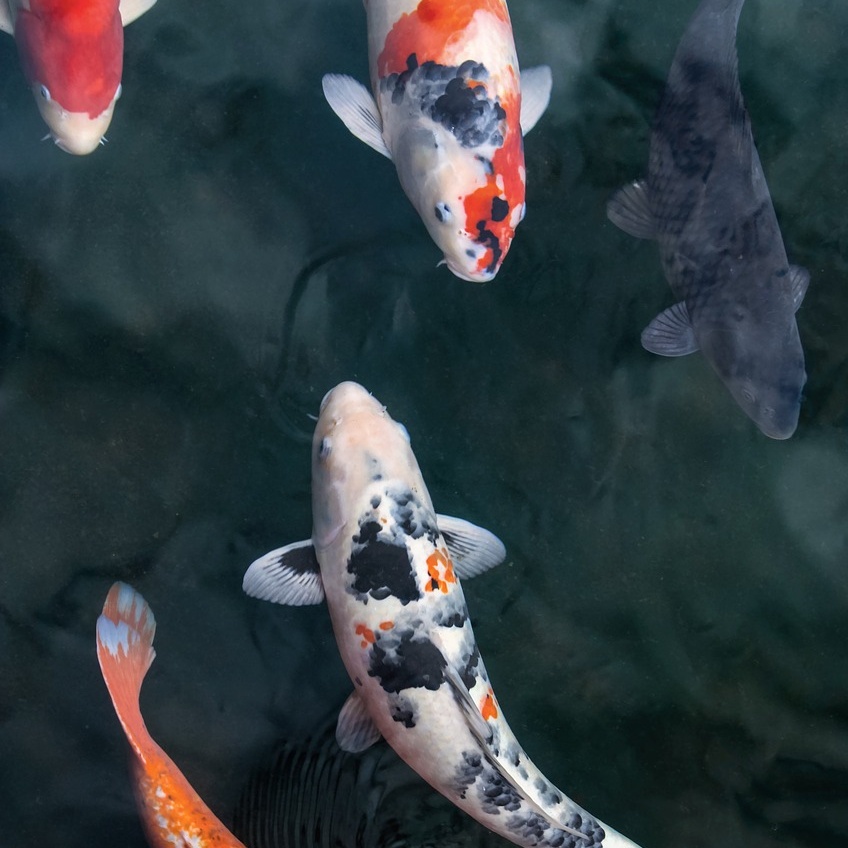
(72, 52)
(171, 811)
(450, 109)
(390, 569)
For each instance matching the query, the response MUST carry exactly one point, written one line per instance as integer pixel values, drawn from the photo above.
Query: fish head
(470, 211)
(356, 443)
(762, 366)
(73, 62)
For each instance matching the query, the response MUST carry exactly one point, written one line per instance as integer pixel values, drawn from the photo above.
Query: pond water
(668, 634)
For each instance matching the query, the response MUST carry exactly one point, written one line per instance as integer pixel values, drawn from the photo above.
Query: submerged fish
(450, 111)
(389, 569)
(312, 793)
(171, 811)
(72, 52)
(706, 202)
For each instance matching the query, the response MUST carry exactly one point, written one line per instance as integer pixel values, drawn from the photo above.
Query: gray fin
(288, 575)
(355, 730)
(132, 9)
(478, 726)
(670, 333)
(799, 279)
(353, 103)
(630, 210)
(6, 23)
(535, 96)
(473, 550)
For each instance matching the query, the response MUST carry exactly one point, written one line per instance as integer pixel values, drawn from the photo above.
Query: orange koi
(171, 811)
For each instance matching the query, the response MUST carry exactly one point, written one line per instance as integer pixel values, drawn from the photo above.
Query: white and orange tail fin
(125, 651)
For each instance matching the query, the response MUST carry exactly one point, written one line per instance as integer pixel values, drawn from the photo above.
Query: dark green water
(668, 635)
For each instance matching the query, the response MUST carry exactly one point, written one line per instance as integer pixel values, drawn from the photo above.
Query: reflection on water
(667, 636)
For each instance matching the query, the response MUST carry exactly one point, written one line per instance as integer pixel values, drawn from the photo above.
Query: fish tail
(125, 651)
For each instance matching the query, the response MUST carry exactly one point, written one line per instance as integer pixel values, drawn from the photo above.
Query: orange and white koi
(450, 108)
(72, 52)
(390, 570)
(171, 811)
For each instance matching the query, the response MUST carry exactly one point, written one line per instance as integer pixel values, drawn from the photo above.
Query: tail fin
(125, 652)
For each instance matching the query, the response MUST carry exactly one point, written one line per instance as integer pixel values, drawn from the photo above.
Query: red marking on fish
(430, 29)
(75, 48)
(489, 708)
(368, 637)
(440, 571)
(171, 811)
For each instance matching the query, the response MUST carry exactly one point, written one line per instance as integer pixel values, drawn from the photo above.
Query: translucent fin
(630, 210)
(125, 652)
(478, 726)
(355, 730)
(535, 96)
(132, 9)
(473, 550)
(670, 333)
(6, 19)
(353, 103)
(799, 280)
(288, 575)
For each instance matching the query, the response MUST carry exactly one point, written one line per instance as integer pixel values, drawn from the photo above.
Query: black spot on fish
(455, 619)
(487, 164)
(488, 239)
(381, 569)
(375, 501)
(414, 663)
(468, 674)
(467, 772)
(453, 97)
(403, 714)
(497, 791)
(500, 209)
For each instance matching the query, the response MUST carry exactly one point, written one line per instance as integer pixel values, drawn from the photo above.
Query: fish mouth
(464, 274)
(76, 133)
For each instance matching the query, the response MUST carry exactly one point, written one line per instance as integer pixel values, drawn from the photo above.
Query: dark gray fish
(706, 202)
(314, 794)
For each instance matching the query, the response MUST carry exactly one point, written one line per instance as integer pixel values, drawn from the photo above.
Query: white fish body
(449, 107)
(389, 568)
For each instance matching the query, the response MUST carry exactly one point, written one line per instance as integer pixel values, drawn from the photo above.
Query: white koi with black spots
(449, 108)
(389, 569)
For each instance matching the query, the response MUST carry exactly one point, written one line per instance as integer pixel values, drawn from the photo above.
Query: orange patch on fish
(429, 30)
(440, 571)
(506, 183)
(368, 637)
(386, 625)
(489, 709)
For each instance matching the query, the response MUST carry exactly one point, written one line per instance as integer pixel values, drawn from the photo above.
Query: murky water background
(668, 636)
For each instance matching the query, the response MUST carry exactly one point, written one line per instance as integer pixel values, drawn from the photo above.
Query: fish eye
(324, 448)
(45, 93)
(749, 396)
(443, 212)
(404, 432)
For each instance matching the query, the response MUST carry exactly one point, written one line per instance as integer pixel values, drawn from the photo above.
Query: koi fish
(390, 569)
(449, 109)
(72, 53)
(706, 202)
(171, 811)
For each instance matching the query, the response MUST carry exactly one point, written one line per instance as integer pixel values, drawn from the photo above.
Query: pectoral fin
(535, 96)
(355, 730)
(799, 279)
(6, 23)
(472, 549)
(132, 9)
(670, 333)
(630, 210)
(288, 575)
(353, 103)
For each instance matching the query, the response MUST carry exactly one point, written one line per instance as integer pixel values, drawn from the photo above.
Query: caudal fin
(125, 651)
